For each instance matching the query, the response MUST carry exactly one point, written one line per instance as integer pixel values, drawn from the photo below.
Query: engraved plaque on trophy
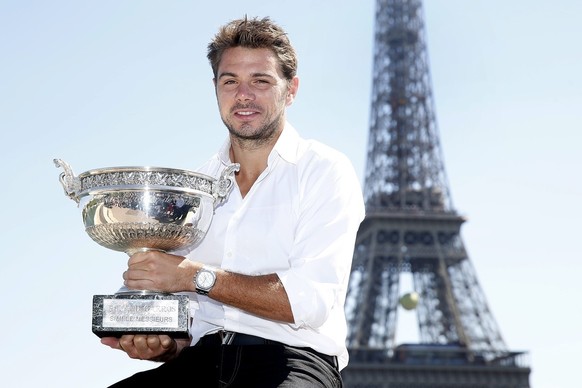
(132, 209)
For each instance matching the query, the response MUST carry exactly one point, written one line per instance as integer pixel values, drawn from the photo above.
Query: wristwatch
(204, 280)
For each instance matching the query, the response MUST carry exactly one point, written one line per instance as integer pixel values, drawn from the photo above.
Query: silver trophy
(132, 209)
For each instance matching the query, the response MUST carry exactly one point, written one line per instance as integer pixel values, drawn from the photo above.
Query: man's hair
(254, 33)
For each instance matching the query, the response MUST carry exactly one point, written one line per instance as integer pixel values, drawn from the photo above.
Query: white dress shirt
(299, 220)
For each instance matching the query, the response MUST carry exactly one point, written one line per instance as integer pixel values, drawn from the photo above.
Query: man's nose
(244, 93)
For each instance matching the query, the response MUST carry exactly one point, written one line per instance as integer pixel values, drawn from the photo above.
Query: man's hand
(147, 347)
(158, 271)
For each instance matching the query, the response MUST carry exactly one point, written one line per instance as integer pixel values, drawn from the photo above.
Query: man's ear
(293, 88)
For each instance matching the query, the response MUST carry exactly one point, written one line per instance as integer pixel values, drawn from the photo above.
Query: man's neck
(253, 158)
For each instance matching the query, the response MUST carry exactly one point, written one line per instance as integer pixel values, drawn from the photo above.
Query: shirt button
(228, 254)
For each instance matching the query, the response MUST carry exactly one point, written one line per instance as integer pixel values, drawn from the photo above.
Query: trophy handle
(71, 184)
(224, 185)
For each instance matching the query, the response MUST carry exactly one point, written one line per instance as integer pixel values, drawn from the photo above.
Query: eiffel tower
(412, 229)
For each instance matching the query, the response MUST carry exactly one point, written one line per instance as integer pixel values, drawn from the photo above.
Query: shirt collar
(286, 146)
(224, 152)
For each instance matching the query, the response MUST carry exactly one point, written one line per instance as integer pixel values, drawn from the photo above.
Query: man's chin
(251, 132)
(246, 132)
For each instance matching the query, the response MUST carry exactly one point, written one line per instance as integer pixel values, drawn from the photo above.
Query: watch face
(205, 279)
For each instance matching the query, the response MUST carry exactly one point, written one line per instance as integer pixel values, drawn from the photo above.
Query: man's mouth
(245, 110)
(246, 114)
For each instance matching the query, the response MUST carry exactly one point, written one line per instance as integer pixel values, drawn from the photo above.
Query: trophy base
(141, 313)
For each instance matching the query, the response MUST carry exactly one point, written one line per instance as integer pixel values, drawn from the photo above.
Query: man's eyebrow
(255, 75)
(226, 74)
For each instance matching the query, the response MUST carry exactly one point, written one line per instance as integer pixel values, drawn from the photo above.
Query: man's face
(252, 93)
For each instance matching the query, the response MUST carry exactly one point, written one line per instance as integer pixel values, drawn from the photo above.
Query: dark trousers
(244, 366)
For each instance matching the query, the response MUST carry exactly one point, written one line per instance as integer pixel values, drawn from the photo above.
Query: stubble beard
(255, 138)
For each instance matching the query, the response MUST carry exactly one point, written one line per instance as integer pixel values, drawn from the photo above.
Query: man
(269, 280)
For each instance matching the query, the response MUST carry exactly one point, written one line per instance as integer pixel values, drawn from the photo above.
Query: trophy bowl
(133, 209)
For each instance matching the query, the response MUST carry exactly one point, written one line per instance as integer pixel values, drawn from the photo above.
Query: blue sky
(120, 82)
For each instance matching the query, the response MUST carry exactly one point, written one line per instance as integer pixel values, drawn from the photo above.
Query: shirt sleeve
(331, 210)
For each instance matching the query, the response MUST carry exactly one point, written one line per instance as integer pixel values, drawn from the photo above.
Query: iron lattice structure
(411, 226)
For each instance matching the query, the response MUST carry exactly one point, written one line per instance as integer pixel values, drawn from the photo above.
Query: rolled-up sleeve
(330, 211)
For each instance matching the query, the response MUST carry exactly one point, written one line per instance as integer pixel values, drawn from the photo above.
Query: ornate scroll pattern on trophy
(132, 209)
